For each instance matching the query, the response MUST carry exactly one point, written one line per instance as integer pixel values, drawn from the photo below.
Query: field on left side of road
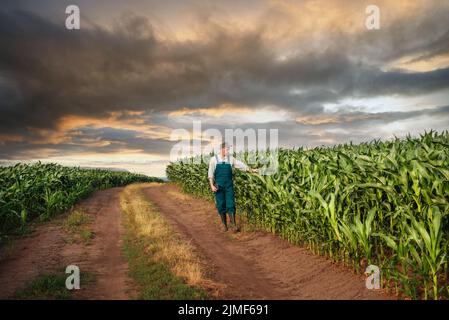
(40, 191)
(111, 237)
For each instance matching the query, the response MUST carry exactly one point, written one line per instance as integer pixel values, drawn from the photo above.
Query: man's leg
(220, 202)
(232, 219)
(230, 206)
(224, 222)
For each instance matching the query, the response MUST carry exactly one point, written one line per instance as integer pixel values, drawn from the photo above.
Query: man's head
(224, 149)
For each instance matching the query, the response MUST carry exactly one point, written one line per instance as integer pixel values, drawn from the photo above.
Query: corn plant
(40, 190)
(379, 202)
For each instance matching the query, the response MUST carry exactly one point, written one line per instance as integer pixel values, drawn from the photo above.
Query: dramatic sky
(111, 93)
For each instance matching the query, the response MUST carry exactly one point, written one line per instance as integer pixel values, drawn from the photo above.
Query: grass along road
(161, 263)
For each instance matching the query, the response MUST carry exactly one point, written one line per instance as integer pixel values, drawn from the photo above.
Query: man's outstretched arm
(241, 165)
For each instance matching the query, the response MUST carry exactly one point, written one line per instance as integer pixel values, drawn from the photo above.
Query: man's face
(224, 151)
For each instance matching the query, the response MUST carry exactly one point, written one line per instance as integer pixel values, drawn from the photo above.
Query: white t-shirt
(228, 159)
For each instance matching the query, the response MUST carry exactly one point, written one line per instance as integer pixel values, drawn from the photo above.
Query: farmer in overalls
(221, 183)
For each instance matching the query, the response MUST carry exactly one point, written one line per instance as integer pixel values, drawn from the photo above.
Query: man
(221, 183)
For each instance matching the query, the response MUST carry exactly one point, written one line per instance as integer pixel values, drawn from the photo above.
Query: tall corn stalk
(382, 202)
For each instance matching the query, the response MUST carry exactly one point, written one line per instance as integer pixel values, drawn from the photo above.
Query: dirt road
(48, 249)
(248, 265)
(256, 265)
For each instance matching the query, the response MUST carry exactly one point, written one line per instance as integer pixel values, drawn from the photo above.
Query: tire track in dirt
(104, 256)
(256, 265)
(47, 249)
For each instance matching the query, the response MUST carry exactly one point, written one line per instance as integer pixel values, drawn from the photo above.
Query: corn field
(384, 203)
(40, 191)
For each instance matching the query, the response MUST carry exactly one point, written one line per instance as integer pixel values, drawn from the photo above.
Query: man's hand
(212, 185)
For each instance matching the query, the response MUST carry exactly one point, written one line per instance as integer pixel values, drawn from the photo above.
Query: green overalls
(224, 197)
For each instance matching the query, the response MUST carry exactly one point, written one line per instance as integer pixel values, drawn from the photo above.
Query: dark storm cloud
(358, 119)
(353, 126)
(47, 72)
(51, 71)
(120, 139)
(423, 34)
(343, 127)
(393, 82)
(88, 141)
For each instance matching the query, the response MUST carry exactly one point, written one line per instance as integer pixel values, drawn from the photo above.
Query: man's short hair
(224, 145)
